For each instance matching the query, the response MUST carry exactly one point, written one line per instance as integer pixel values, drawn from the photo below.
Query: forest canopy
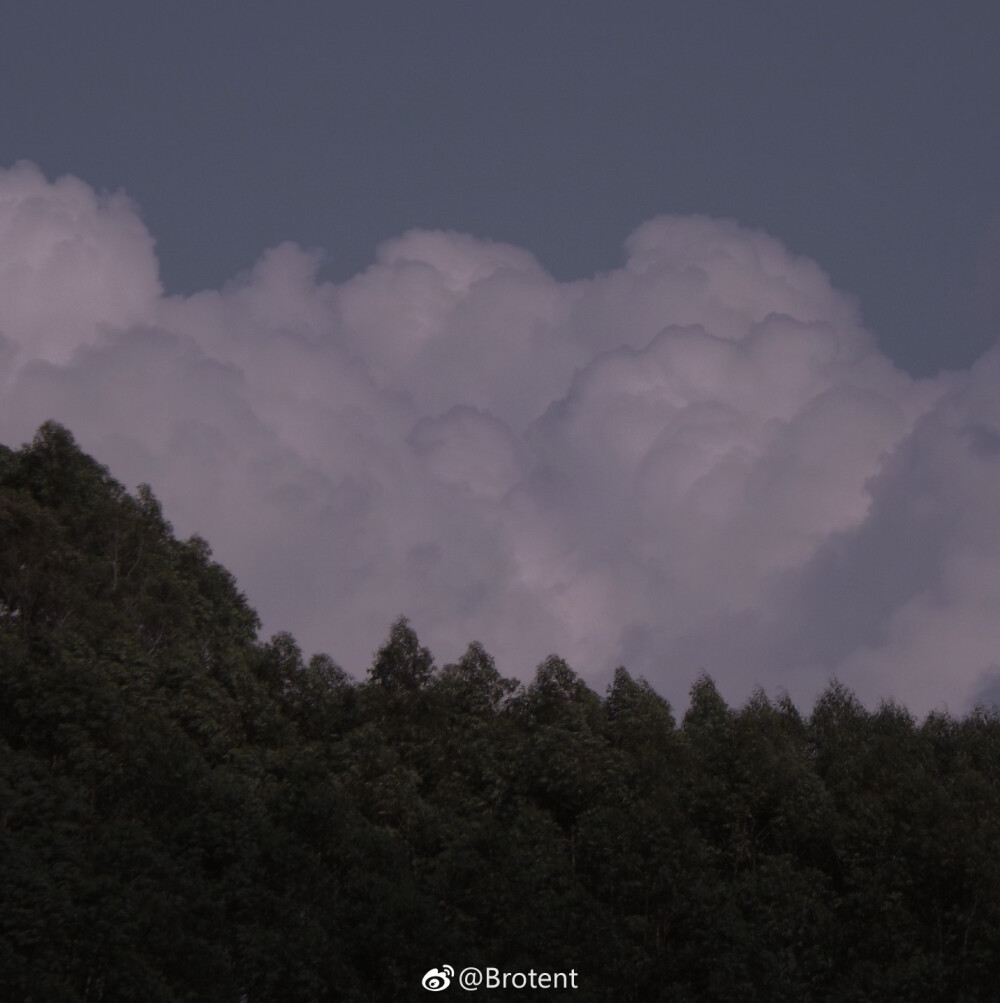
(188, 812)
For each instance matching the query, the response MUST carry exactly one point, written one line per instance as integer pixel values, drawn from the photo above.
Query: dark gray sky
(676, 445)
(865, 136)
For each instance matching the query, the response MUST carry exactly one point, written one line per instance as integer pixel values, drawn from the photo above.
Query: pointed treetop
(401, 663)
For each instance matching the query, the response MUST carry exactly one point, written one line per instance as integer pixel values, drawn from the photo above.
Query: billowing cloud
(70, 263)
(699, 460)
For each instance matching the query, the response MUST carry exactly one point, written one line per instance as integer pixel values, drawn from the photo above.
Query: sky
(648, 334)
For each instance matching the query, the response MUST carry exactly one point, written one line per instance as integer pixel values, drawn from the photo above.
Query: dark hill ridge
(187, 813)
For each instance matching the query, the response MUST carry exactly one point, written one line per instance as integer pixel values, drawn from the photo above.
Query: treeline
(189, 814)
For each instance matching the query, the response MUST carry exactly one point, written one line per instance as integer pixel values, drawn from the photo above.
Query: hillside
(189, 813)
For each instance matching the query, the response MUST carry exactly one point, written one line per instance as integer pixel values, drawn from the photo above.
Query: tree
(401, 664)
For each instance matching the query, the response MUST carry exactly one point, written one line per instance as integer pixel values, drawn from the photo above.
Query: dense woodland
(187, 813)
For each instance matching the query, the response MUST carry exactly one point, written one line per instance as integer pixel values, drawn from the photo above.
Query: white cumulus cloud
(699, 460)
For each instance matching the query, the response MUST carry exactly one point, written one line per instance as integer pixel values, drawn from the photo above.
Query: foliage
(188, 813)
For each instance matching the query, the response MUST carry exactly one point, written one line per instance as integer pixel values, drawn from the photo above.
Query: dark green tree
(402, 664)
